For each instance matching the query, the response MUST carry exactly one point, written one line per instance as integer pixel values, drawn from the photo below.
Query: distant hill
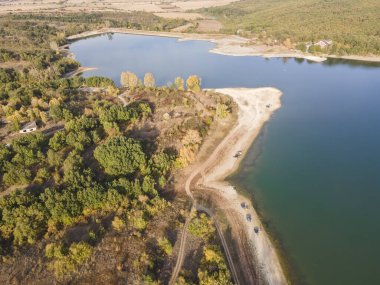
(353, 25)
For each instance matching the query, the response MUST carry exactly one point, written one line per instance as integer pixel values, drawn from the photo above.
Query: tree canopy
(120, 155)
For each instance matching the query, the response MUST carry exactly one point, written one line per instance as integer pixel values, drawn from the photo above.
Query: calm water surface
(315, 170)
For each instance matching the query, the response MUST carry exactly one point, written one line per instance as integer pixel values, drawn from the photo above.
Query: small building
(29, 127)
(324, 43)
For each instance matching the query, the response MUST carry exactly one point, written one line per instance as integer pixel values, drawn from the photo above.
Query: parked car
(238, 154)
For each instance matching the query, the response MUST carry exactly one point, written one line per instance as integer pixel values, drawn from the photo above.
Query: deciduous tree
(129, 79)
(193, 83)
(149, 80)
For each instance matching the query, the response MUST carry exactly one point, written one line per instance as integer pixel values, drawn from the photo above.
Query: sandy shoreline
(227, 45)
(79, 70)
(255, 108)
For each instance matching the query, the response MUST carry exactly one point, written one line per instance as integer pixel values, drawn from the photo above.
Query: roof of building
(30, 125)
(324, 42)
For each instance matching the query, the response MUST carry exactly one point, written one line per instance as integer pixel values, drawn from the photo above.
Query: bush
(201, 226)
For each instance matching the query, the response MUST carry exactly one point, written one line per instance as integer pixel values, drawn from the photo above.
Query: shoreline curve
(231, 45)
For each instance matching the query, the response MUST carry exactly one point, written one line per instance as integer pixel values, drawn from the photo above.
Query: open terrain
(163, 9)
(171, 7)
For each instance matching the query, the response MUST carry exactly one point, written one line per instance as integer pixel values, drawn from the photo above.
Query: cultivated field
(171, 7)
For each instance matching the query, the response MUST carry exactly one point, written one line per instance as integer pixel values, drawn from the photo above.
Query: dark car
(238, 154)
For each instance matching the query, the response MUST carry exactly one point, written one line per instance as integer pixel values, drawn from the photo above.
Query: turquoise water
(314, 172)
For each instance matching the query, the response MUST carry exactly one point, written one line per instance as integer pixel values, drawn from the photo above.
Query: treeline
(130, 80)
(30, 32)
(352, 25)
(132, 20)
(26, 37)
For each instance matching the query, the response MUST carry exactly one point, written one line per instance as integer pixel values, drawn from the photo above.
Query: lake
(314, 172)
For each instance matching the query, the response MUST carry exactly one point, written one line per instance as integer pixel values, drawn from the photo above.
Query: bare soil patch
(209, 26)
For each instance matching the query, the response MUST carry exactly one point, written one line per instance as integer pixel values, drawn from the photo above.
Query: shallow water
(314, 172)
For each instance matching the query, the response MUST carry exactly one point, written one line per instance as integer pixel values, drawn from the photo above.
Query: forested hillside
(354, 26)
(89, 196)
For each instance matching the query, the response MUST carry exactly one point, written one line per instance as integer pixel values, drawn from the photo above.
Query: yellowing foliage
(193, 83)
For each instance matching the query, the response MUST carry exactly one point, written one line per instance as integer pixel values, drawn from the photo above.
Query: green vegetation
(38, 32)
(96, 171)
(65, 259)
(165, 245)
(102, 163)
(120, 155)
(212, 267)
(352, 25)
(201, 226)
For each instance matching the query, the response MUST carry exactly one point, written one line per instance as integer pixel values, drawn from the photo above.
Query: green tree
(302, 47)
(99, 81)
(5, 155)
(54, 158)
(165, 245)
(213, 268)
(201, 226)
(221, 111)
(58, 140)
(120, 155)
(17, 175)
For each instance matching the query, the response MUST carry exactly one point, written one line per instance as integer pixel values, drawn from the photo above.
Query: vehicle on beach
(244, 205)
(238, 154)
(248, 217)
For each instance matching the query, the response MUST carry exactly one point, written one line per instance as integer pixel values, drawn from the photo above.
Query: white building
(324, 43)
(29, 127)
